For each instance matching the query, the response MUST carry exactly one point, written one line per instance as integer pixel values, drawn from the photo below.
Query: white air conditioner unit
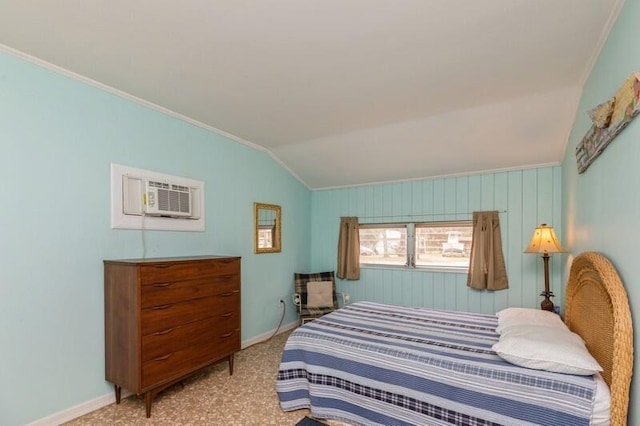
(167, 199)
(143, 199)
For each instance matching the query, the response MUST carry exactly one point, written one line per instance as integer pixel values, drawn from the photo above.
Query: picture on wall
(609, 119)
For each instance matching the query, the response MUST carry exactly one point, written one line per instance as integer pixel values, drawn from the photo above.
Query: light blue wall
(57, 139)
(602, 206)
(528, 197)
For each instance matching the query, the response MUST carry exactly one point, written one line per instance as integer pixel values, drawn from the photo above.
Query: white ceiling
(342, 92)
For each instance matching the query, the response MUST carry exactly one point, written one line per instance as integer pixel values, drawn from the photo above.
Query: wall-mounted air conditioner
(159, 198)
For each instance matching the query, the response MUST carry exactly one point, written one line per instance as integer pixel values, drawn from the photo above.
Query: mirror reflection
(267, 228)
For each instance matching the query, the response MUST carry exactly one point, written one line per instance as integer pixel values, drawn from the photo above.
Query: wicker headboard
(598, 310)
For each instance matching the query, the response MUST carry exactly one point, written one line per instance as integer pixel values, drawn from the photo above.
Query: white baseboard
(104, 400)
(78, 410)
(264, 336)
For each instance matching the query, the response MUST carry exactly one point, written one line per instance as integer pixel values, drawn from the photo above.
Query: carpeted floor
(212, 397)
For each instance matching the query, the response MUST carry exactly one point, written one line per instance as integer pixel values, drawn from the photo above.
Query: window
(383, 244)
(441, 245)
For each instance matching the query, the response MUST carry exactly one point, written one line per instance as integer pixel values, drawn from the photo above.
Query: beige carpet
(212, 397)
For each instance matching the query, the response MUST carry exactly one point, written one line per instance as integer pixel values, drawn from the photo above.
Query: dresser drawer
(181, 362)
(163, 317)
(178, 271)
(160, 343)
(176, 291)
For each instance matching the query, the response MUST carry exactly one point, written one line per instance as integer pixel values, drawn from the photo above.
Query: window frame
(411, 245)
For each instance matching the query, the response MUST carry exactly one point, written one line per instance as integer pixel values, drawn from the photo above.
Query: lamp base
(546, 304)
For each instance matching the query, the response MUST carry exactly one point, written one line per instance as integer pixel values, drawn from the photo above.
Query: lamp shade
(544, 240)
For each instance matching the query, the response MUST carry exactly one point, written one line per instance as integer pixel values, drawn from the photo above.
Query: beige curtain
(487, 270)
(349, 249)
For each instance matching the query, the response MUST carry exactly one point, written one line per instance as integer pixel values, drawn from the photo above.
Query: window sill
(449, 269)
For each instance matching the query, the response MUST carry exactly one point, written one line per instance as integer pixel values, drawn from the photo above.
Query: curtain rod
(422, 215)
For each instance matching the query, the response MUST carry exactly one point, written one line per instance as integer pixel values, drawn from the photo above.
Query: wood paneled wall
(525, 199)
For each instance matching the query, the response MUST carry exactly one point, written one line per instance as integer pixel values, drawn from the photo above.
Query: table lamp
(544, 241)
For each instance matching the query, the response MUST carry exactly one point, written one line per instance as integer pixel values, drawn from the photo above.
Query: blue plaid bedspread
(376, 364)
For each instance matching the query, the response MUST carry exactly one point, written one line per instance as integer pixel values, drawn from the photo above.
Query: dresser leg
(231, 364)
(148, 397)
(118, 391)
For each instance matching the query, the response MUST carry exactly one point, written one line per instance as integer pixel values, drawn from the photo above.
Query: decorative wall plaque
(609, 119)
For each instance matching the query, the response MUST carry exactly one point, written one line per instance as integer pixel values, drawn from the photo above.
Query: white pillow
(319, 294)
(525, 316)
(546, 348)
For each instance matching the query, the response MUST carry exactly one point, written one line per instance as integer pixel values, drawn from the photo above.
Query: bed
(372, 363)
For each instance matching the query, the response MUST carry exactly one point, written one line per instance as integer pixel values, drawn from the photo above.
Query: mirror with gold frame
(266, 237)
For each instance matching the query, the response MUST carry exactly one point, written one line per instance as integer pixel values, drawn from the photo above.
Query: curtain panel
(487, 270)
(349, 249)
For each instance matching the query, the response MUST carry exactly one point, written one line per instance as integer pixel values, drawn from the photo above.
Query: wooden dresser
(167, 318)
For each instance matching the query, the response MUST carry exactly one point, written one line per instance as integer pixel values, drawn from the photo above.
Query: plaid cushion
(301, 281)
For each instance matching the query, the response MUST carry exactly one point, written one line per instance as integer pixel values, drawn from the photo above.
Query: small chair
(316, 295)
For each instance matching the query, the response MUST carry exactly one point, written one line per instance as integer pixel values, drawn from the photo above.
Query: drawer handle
(162, 265)
(162, 285)
(227, 294)
(160, 333)
(160, 307)
(227, 315)
(224, 336)
(162, 358)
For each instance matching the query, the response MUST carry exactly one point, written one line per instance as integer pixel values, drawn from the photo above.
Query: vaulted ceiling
(341, 92)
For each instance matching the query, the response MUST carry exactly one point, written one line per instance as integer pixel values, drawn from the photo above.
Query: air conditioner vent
(167, 199)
